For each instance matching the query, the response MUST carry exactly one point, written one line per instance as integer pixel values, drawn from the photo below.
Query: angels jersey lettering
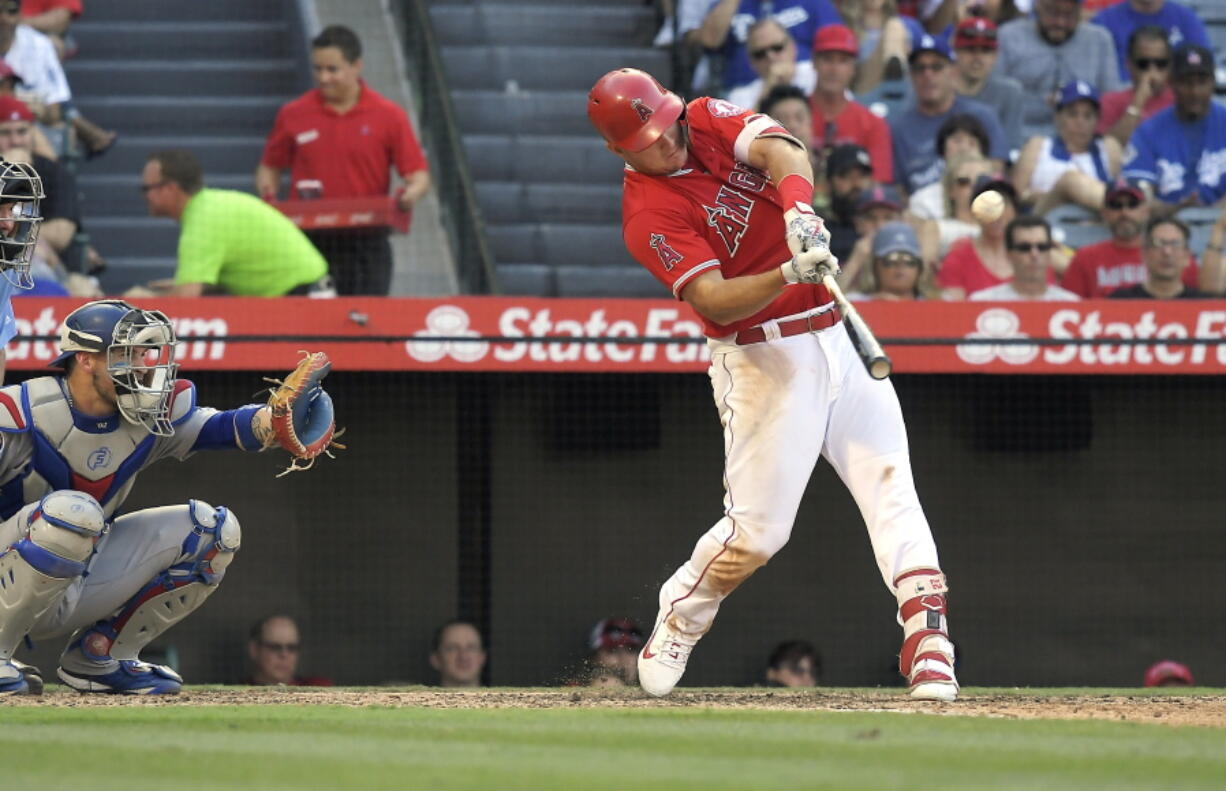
(715, 212)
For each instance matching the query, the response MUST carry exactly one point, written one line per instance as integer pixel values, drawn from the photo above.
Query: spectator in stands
(954, 221)
(458, 654)
(32, 55)
(794, 663)
(1149, 68)
(1048, 51)
(837, 118)
(230, 242)
(60, 209)
(876, 206)
(788, 105)
(726, 28)
(274, 646)
(974, 264)
(772, 54)
(52, 18)
(345, 137)
(898, 272)
(1166, 257)
(1075, 165)
(1213, 273)
(974, 44)
(1169, 673)
(695, 68)
(960, 135)
(1181, 24)
(914, 130)
(39, 144)
(1098, 269)
(849, 171)
(1180, 153)
(613, 659)
(1029, 245)
(885, 38)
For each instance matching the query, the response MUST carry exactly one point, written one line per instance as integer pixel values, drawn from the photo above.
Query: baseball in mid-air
(988, 206)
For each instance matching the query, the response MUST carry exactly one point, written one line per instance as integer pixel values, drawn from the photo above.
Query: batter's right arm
(725, 301)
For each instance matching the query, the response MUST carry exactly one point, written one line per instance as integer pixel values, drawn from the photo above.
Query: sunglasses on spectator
(288, 648)
(1168, 244)
(146, 187)
(1026, 247)
(963, 181)
(1145, 64)
(935, 66)
(770, 49)
(901, 259)
(1123, 203)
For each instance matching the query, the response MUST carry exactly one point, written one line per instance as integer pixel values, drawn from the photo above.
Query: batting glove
(805, 230)
(810, 266)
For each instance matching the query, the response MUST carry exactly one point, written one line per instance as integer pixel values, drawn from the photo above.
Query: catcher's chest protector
(98, 456)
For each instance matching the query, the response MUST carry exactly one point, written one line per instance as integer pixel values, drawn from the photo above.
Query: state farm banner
(630, 335)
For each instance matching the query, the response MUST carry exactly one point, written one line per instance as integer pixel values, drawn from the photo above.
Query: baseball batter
(71, 446)
(716, 206)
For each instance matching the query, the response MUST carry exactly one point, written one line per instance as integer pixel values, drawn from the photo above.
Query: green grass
(296, 748)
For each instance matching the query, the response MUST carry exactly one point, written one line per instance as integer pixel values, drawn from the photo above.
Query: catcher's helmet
(140, 349)
(631, 109)
(21, 194)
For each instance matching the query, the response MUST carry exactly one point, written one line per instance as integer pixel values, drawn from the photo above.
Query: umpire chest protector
(49, 446)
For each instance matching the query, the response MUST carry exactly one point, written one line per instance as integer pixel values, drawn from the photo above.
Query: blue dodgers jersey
(1180, 158)
(801, 18)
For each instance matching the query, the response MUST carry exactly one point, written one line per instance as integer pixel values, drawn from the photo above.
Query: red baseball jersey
(717, 211)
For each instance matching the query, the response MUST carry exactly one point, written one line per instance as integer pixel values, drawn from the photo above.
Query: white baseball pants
(782, 403)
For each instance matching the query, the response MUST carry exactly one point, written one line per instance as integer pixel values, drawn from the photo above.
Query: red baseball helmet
(631, 109)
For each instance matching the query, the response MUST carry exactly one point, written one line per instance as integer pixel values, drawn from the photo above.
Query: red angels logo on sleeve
(721, 108)
(669, 257)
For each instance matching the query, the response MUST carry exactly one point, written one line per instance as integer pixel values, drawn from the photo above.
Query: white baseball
(988, 206)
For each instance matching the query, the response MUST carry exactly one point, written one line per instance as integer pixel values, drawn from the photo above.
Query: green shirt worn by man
(238, 242)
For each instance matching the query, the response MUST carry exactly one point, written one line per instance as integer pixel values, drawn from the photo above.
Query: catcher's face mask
(141, 362)
(21, 193)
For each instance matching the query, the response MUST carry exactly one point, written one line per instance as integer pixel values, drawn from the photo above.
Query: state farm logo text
(450, 323)
(48, 323)
(1070, 323)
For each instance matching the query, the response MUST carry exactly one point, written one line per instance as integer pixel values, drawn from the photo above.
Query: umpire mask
(21, 194)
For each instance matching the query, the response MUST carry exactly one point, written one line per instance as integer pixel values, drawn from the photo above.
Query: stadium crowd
(1093, 119)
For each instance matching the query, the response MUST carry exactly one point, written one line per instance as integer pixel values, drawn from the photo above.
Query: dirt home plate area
(1168, 709)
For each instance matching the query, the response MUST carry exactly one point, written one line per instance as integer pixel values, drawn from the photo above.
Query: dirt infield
(1203, 710)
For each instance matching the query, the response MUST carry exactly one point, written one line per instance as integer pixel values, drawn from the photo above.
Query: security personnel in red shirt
(339, 140)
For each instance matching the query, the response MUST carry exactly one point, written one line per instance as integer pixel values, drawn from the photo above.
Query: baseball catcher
(71, 446)
(715, 205)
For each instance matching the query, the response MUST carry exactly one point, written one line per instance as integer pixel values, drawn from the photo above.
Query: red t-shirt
(31, 8)
(1115, 104)
(1098, 269)
(717, 211)
(962, 268)
(858, 124)
(351, 153)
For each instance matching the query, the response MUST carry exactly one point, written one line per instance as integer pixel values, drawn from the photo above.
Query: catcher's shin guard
(57, 539)
(103, 657)
(927, 655)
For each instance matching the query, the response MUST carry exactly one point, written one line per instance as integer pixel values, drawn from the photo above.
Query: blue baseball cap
(930, 43)
(895, 237)
(1077, 91)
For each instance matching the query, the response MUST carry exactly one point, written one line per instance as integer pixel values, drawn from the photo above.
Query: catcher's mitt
(301, 414)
